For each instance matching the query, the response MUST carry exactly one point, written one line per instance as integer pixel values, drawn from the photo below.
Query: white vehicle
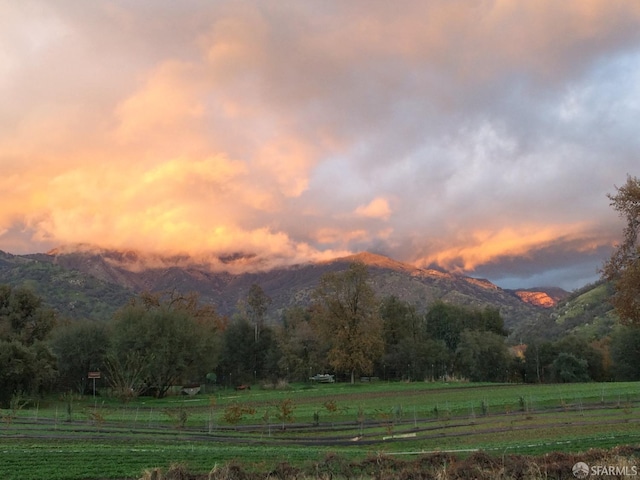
(323, 378)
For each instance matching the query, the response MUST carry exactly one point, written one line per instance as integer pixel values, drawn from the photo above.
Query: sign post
(94, 376)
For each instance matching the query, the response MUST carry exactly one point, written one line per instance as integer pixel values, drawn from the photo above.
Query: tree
(80, 347)
(27, 366)
(266, 355)
(244, 359)
(623, 268)
(567, 368)
(347, 317)
(483, 356)
(570, 359)
(285, 411)
(488, 320)
(400, 320)
(409, 351)
(584, 352)
(301, 352)
(625, 353)
(538, 358)
(23, 317)
(446, 322)
(258, 303)
(126, 374)
(171, 333)
(238, 348)
(24, 369)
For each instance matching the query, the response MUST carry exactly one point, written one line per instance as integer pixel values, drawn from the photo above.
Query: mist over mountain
(131, 272)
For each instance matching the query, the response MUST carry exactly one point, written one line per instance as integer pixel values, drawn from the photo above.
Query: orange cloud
(217, 170)
(485, 246)
(162, 103)
(339, 236)
(377, 208)
(287, 160)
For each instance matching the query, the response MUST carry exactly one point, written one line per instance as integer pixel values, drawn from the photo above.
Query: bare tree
(258, 303)
(126, 376)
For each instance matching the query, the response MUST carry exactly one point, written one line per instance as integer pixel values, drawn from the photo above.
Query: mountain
(71, 293)
(586, 313)
(133, 272)
(547, 297)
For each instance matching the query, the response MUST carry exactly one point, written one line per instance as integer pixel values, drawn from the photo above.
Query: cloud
(482, 137)
(377, 208)
(161, 105)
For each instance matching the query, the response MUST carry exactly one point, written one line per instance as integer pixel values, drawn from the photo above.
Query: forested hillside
(291, 286)
(70, 293)
(586, 313)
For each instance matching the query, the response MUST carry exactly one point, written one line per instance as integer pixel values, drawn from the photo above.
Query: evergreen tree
(27, 365)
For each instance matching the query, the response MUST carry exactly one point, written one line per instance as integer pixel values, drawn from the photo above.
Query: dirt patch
(479, 465)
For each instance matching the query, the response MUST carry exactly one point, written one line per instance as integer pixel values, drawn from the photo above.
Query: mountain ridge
(287, 286)
(71, 293)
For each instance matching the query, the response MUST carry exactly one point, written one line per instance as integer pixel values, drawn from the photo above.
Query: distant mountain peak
(376, 260)
(482, 283)
(542, 297)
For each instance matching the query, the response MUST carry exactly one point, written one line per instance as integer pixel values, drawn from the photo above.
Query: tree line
(160, 340)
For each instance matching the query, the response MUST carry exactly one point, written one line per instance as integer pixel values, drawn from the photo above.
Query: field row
(413, 399)
(403, 420)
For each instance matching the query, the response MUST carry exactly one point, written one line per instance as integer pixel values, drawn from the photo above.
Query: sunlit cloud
(161, 105)
(488, 246)
(377, 208)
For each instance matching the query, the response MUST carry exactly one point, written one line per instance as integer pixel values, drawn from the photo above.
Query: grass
(83, 438)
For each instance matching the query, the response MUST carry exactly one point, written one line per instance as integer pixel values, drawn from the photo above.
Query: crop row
(349, 403)
(75, 459)
(358, 422)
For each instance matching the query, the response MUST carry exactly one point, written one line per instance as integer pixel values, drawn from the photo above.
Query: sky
(481, 137)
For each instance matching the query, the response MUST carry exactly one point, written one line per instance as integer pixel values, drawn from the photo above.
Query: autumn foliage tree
(623, 268)
(347, 317)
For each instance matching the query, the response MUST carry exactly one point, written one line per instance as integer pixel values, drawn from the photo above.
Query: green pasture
(423, 398)
(73, 437)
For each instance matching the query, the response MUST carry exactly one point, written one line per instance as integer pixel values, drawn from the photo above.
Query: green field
(83, 438)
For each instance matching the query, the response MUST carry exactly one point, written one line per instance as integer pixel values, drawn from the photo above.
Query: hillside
(71, 293)
(133, 272)
(542, 297)
(586, 313)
